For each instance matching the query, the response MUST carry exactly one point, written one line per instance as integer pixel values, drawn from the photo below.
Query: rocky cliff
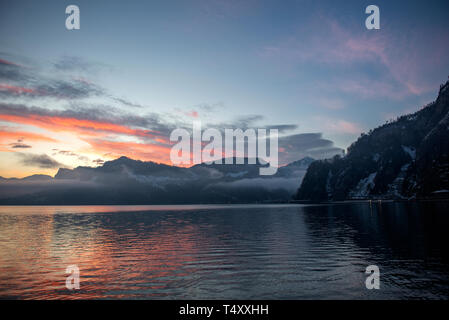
(403, 159)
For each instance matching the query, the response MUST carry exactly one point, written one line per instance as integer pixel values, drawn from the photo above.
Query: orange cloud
(6, 136)
(80, 126)
(15, 89)
(101, 136)
(141, 151)
(96, 133)
(11, 138)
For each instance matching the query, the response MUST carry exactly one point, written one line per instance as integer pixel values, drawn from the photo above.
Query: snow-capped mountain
(403, 159)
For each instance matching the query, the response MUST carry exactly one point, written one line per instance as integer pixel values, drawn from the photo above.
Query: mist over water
(226, 252)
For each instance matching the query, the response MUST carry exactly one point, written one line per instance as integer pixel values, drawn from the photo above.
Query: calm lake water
(226, 252)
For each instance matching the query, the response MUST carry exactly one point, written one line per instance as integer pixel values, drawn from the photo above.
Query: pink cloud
(331, 103)
(333, 45)
(193, 114)
(13, 64)
(347, 127)
(3, 61)
(340, 126)
(15, 89)
(371, 89)
(405, 64)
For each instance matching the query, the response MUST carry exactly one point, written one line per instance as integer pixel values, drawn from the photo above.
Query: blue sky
(309, 64)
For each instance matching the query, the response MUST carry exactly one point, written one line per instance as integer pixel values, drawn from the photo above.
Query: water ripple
(226, 252)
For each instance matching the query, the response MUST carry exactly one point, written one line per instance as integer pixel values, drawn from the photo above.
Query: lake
(226, 251)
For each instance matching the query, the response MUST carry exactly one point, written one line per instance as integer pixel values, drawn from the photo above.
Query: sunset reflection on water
(277, 251)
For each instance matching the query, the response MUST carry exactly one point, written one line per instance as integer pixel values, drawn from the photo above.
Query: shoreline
(292, 202)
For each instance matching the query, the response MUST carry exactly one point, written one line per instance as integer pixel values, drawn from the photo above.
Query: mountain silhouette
(404, 159)
(129, 181)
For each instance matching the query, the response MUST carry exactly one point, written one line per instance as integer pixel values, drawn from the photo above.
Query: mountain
(404, 159)
(37, 177)
(34, 177)
(296, 168)
(128, 181)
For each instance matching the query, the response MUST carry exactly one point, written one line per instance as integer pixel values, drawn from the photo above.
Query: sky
(136, 70)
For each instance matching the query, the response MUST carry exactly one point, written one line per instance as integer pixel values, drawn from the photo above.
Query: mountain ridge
(128, 181)
(404, 159)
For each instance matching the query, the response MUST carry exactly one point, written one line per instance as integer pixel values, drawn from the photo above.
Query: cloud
(192, 114)
(343, 47)
(297, 146)
(17, 80)
(29, 84)
(19, 145)
(98, 161)
(106, 131)
(10, 71)
(70, 154)
(14, 89)
(402, 68)
(15, 139)
(63, 89)
(9, 63)
(370, 89)
(141, 151)
(241, 122)
(250, 121)
(65, 152)
(84, 121)
(331, 103)
(340, 126)
(37, 185)
(39, 160)
(74, 63)
(109, 130)
(209, 107)
(126, 102)
(282, 128)
(55, 89)
(96, 122)
(221, 9)
(271, 184)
